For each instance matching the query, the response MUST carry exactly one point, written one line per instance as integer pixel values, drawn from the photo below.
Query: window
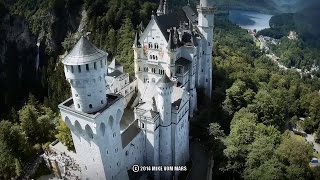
(78, 105)
(79, 69)
(202, 52)
(179, 69)
(87, 67)
(153, 57)
(95, 65)
(156, 57)
(89, 95)
(101, 64)
(72, 69)
(90, 106)
(208, 44)
(101, 101)
(67, 69)
(77, 95)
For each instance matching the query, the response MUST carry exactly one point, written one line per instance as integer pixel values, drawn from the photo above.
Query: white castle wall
(98, 142)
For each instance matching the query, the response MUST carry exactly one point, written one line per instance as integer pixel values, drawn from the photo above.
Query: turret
(85, 69)
(206, 25)
(137, 51)
(165, 89)
(160, 8)
(206, 14)
(171, 45)
(165, 86)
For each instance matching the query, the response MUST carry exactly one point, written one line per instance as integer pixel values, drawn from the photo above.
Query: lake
(250, 19)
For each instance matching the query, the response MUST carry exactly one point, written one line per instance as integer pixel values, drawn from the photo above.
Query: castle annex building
(118, 121)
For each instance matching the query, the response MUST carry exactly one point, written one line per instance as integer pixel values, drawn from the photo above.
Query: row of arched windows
(87, 67)
(153, 70)
(154, 57)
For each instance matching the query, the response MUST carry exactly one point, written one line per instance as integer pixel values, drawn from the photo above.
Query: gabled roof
(191, 15)
(167, 21)
(116, 73)
(84, 52)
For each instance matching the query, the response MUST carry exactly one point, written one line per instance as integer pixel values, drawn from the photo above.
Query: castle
(118, 121)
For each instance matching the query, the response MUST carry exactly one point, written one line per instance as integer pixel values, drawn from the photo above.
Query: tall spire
(160, 8)
(171, 45)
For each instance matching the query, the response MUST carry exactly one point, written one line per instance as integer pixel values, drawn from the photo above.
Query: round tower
(206, 26)
(85, 69)
(165, 89)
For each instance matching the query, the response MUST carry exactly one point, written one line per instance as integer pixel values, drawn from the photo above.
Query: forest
(246, 125)
(255, 105)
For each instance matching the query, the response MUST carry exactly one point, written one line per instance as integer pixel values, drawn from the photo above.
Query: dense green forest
(254, 105)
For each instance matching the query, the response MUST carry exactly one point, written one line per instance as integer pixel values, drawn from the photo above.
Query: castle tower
(85, 68)
(165, 88)
(92, 116)
(137, 50)
(206, 25)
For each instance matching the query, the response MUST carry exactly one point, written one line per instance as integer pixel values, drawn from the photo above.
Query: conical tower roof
(165, 81)
(171, 45)
(84, 52)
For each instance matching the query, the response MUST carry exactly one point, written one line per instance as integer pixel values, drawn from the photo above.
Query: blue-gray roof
(84, 52)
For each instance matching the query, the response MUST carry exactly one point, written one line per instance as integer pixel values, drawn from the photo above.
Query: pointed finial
(152, 14)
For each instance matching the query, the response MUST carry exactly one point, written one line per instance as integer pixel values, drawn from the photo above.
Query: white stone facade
(117, 121)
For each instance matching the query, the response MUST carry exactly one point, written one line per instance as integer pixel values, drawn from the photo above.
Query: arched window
(95, 65)
(79, 69)
(89, 131)
(90, 106)
(78, 127)
(156, 57)
(87, 67)
(102, 128)
(111, 121)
